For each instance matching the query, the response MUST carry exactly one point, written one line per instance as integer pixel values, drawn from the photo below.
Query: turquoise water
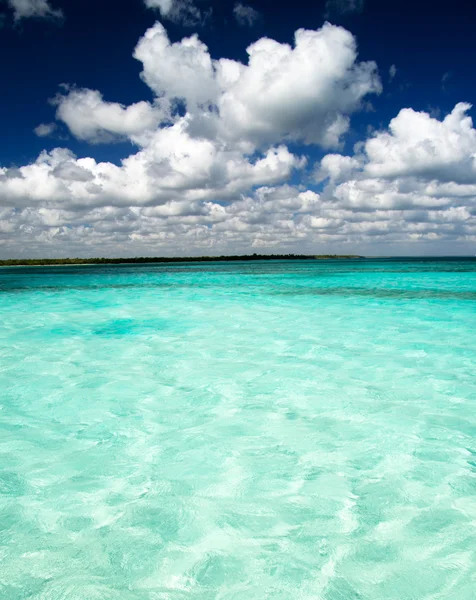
(246, 431)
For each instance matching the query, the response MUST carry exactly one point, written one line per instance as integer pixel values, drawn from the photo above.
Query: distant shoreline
(44, 262)
(78, 262)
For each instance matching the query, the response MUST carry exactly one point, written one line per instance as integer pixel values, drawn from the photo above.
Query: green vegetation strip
(19, 262)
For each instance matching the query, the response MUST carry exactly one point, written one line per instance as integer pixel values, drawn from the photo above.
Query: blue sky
(370, 189)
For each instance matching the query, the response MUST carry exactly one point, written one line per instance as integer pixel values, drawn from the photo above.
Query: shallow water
(285, 430)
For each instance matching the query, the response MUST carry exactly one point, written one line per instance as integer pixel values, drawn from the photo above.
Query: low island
(33, 262)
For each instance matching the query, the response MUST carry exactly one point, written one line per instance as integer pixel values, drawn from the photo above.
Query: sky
(206, 127)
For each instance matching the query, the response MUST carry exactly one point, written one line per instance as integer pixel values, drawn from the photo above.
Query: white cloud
(245, 15)
(180, 70)
(274, 218)
(165, 6)
(69, 170)
(421, 146)
(302, 93)
(90, 118)
(24, 9)
(416, 181)
(183, 12)
(392, 72)
(171, 166)
(305, 92)
(336, 167)
(45, 129)
(214, 176)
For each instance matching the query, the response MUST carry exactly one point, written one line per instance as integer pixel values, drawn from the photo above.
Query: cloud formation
(25, 9)
(45, 129)
(183, 12)
(416, 180)
(245, 15)
(213, 162)
(304, 93)
(90, 118)
(417, 145)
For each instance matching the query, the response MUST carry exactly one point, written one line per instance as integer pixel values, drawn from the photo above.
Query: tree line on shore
(13, 262)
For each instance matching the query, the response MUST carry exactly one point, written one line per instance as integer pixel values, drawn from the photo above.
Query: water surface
(238, 431)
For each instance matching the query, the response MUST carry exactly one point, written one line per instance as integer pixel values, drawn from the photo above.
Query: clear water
(291, 430)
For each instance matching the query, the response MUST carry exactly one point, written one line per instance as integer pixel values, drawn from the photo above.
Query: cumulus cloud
(24, 9)
(165, 6)
(304, 93)
(416, 180)
(171, 166)
(69, 170)
(45, 129)
(336, 168)
(183, 12)
(245, 15)
(91, 118)
(182, 70)
(421, 146)
(211, 169)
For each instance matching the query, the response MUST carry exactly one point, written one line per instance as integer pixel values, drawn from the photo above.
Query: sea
(271, 430)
